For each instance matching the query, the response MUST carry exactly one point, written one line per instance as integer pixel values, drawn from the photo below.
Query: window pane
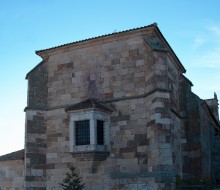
(100, 132)
(82, 132)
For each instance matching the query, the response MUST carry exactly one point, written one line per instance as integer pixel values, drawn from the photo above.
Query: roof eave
(39, 64)
(45, 52)
(182, 68)
(212, 115)
(17, 155)
(42, 54)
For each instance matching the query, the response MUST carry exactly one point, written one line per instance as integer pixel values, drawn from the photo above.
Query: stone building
(120, 109)
(12, 170)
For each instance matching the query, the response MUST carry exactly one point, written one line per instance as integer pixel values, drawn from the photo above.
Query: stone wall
(191, 146)
(108, 70)
(199, 144)
(129, 75)
(12, 174)
(35, 150)
(215, 154)
(37, 87)
(155, 134)
(213, 105)
(35, 128)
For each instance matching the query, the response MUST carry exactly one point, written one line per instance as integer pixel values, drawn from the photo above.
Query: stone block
(118, 94)
(121, 123)
(140, 62)
(37, 172)
(51, 155)
(142, 149)
(139, 75)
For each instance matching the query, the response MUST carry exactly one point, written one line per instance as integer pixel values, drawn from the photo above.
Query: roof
(44, 53)
(111, 34)
(187, 80)
(88, 104)
(38, 65)
(17, 155)
(212, 115)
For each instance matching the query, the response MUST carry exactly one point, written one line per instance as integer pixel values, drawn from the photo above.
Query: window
(82, 132)
(100, 132)
(89, 131)
(89, 127)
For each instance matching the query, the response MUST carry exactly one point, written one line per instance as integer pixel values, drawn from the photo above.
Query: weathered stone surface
(35, 150)
(37, 87)
(157, 130)
(12, 174)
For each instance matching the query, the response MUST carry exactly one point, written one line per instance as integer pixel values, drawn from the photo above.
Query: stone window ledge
(91, 155)
(90, 148)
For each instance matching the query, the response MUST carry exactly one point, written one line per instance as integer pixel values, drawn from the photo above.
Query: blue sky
(192, 28)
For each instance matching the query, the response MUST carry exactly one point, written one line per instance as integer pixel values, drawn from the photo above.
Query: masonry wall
(215, 140)
(205, 141)
(191, 146)
(215, 154)
(101, 71)
(126, 73)
(37, 87)
(172, 75)
(159, 129)
(12, 174)
(35, 129)
(35, 150)
(198, 143)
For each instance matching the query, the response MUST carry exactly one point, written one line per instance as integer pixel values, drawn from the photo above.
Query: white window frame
(92, 115)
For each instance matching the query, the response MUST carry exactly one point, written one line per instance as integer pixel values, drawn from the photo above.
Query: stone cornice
(109, 100)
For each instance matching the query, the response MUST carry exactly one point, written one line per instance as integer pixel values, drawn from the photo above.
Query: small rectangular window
(100, 132)
(82, 132)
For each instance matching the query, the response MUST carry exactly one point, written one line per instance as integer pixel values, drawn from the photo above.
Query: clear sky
(192, 28)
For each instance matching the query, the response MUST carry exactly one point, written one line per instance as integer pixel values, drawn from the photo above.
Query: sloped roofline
(181, 65)
(43, 53)
(88, 104)
(189, 81)
(38, 65)
(212, 115)
(17, 155)
(38, 52)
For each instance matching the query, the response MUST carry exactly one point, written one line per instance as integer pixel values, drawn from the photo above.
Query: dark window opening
(100, 132)
(82, 132)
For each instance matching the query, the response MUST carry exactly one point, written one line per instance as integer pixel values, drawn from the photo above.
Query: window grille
(82, 132)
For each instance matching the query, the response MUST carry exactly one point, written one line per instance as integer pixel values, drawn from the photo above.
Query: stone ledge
(91, 156)
(109, 100)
